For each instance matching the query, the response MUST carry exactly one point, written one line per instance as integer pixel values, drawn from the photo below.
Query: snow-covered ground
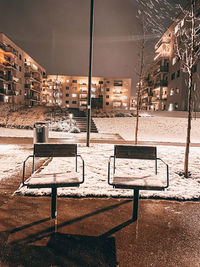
(11, 158)
(96, 157)
(96, 168)
(163, 129)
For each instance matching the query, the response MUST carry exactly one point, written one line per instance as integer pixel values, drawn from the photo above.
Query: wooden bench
(57, 179)
(151, 181)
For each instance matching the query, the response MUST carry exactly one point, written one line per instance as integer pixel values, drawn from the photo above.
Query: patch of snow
(96, 168)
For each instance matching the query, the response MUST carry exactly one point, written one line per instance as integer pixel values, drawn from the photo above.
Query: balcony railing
(2, 91)
(155, 98)
(30, 97)
(161, 69)
(161, 83)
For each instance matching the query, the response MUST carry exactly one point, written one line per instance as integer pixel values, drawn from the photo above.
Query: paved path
(29, 140)
(99, 232)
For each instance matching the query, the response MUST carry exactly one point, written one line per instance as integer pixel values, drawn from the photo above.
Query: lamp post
(90, 72)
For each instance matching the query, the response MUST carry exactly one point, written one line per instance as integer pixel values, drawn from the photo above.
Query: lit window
(125, 97)
(171, 91)
(176, 28)
(93, 95)
(93, 90)
(74, 95)
(116, 104)
(170, 107)
(174, 61)
(124, 104)
(67, 81)
(50, 87)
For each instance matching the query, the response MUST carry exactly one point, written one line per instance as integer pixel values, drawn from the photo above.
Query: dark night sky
(56, 34)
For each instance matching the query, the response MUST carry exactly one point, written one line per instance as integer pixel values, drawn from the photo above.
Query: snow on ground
(96, 157)
(162, 129)
(11, 158)
(96, 164)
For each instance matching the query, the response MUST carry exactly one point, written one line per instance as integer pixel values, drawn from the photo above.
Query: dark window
(176, 106)
(67, 101)
(198, 13)
(73, 102)
(107, 103)
(100, 82)
(198, 31)
(67, 95)
(74, 81)
(194, 68)
(178, 74)
(108, 82)
(107, 96)
(107, 89)
(20, 56)
(173, 76)
(67, 87)
(118, 83)
(20, 68)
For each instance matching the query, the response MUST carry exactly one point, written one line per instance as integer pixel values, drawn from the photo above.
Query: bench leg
(135, 204)
(53, 202)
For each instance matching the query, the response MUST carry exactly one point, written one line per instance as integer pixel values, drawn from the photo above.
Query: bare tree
(187, 40)
(152, 16)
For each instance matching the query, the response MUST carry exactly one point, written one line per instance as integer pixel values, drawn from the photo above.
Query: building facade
(164, 85)
(20, 75)
(72, 92)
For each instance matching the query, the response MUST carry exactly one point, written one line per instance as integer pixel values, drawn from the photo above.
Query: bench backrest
(135, 152)
(55, 150)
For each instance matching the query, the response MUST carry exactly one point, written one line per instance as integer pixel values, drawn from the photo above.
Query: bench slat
(145, 182)
(55, 150)
(135, 152)
(50, 180)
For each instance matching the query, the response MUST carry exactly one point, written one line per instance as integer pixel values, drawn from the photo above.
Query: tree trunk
(187, 149)
(137, 116)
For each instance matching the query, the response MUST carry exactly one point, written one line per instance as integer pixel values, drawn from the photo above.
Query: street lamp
(90, 72)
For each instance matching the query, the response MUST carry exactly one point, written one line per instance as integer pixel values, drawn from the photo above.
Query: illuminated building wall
(164, 84)
(20, 75)
(72, 92)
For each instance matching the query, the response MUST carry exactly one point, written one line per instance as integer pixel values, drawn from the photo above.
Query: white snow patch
(96, 168)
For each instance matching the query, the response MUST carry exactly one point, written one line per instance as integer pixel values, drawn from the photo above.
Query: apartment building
(164, 85)
(72, 92)
(20, 75)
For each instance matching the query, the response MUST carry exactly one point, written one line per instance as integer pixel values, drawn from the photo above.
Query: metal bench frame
(51, 150)
(136, 152)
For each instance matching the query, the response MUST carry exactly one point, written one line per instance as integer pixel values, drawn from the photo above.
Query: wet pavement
(96, 231)
(99, 232)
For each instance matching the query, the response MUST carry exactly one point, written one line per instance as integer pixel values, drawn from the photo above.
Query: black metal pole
(90, 72)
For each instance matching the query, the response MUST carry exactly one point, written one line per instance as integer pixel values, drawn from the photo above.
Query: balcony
(155, 99)
(35, 89)
(161, 69)
(164, 97)
(161, 83)
(2, 91)
(31, 97)
(10, 92)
